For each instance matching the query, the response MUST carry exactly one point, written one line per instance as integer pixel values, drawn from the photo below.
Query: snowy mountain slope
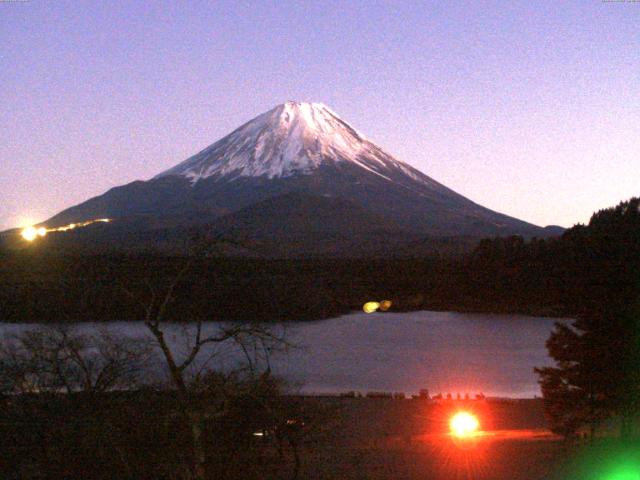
(293, 138)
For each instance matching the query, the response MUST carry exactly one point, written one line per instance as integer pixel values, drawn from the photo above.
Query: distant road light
(370, 307)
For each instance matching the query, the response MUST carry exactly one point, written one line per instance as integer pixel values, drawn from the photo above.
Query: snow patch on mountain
(292, 138)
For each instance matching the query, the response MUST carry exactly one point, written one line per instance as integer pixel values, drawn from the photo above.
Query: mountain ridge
(307, 148)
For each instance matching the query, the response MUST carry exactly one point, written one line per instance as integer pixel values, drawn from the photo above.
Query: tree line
(501, 275)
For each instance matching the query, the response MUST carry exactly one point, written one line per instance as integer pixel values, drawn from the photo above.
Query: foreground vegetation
(82, 406)
(139, 435)
(248, 430)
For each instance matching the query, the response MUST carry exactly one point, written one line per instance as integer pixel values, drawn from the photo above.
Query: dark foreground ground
(507, 459)
(340, 438)
(375, 438)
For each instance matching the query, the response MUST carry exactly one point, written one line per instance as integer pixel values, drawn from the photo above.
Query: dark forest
(546, 277)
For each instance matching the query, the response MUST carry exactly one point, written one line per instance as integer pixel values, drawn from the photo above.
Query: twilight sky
(529, 108)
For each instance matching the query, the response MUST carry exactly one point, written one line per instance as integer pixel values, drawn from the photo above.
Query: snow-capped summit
(292, 138)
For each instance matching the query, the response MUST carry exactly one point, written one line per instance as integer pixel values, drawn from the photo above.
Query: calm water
(404, 352)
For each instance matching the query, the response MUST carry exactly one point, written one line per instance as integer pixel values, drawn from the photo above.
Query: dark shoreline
(41, 287)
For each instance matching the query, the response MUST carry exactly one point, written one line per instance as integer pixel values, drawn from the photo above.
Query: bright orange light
(29, 233)
(463, 424)
(385, 305)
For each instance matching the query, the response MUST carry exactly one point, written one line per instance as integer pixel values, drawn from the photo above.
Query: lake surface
(400, 352)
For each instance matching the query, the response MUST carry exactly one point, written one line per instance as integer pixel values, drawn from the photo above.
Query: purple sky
(529, 108)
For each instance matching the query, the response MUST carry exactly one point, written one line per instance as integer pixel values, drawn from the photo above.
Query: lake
(401, 352)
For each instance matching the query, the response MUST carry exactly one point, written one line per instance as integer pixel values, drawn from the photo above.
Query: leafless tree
(189, 371)
(62, 359)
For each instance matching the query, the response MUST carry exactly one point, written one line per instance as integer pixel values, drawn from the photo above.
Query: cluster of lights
(31, 233)
(371, 307)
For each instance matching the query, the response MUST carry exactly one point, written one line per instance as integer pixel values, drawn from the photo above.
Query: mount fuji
(296, 178)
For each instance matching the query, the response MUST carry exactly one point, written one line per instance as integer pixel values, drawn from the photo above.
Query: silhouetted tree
(597, 358)
(191, 375)
(61, 358)
(573, 391)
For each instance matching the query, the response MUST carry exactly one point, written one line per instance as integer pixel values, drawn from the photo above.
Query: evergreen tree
(597, 372)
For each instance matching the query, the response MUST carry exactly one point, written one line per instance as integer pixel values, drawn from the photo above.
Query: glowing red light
(463, 424)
